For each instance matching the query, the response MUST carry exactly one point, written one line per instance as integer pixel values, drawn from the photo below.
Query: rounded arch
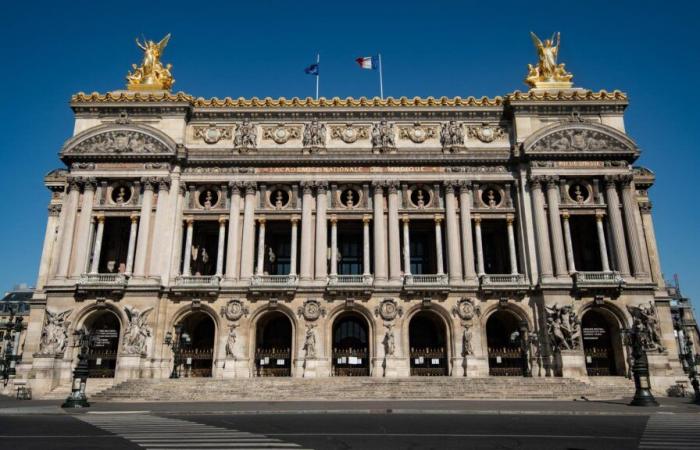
(106, 326)
(84, 314)
(503, 346)
(602, 337)
(350, 339)
(594, 138)
(199, 333)
(157, 141)
(428, 338)
(185, 310)
(512, 308)
(273, 338)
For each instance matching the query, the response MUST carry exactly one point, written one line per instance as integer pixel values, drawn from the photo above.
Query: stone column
(161, 236)
(601, 241)
(178, 230)
(655, 263)
(144, 228)
(567, 241)
(479, 246)
(188, 247)
(406, 246)
(380, 244)
(543, 247)
(629, 203)
(261, 247)
(616, 226)
(465, 203)
(68, 230)
(321, 232)
(365, 245)
(394, 236)
(132, 244)
(248, 245)
(334, 247)
(438, 244)
(169, 260)
(454, 261)
(555, 227)
(233, 231)
(97, 248)
(511, 245)
(47, 251)
(220, 249)
(84, 226)
(293, 247)
(307, 254)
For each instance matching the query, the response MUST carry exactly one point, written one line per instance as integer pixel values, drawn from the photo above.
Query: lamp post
(636, 337)
(177, 343)
(77, 397)
(692, 361)
(13, 328)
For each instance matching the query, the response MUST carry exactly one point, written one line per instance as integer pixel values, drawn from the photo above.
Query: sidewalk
(482, 407)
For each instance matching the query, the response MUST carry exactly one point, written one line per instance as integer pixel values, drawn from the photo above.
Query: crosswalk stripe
(676, 431)
(160, 433)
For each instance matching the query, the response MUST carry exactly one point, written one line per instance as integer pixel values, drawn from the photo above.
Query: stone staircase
(363, 388)
(94, 386)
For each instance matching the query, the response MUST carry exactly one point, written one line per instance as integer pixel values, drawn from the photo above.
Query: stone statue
(245, 137)
(310, 341)
(54, 336)
(151, 75)
(137, 331)
(121, 195)
(547, 73)
(231, 342)
(563, 327)
(451, 135)
(389, 342)
(314, 135)
(383, 136)
(646, 318)
(467, 340)
(207, 200)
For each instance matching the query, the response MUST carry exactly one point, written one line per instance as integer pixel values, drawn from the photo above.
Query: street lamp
(77, 397)
(636, 337)
(177, 343)
(692, 361)
(13, 329)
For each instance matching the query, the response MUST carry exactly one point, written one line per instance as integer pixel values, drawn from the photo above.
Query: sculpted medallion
(234, 310)
(280, 134)
(349, 133)
(487, 133)
(212, 134)
(466, 308)
(311, 310)
(388, 309)
(417, 133)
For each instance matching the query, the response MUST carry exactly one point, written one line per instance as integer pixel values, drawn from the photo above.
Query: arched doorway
(350, 346)
(104, 328)
(503, 341)
(602, 343)
(427, 343)
(198, 356)
(273, 346)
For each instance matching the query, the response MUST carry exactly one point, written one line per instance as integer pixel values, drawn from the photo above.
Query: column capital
(236, 186)
(510, 218)
(261, 220)
(599, 214)
(626, 179)
(333, 219)
(405, 218)
(565, 214)
(182, 189)
(100, 218)
(295, 219)
(552, 181)
(189, 220)
(536, 181)
(163, 183)
(477, 218)
(89, 184)
(134, 218)
(307, 187)
(321, 187)
(148, 183)
(222, 220)
(645, 207)
(465, 186)
(55, 209)
(450, 186)
(250, 187)
(439, 218)
(366, 218)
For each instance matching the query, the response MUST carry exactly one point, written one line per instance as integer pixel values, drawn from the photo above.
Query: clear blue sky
(53, 49)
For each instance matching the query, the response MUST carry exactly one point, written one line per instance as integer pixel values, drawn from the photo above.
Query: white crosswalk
(161, 433)
(672, 431)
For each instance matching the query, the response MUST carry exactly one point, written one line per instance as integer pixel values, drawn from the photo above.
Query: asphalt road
(321, 431)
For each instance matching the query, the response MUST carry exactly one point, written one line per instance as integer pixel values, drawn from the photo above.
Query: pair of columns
(407, 245)
(513, 259)
(97, 247)
(602, 246)
(186, 269)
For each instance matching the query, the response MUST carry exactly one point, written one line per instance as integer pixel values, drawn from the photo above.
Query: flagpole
(381, 82)
(318, 72)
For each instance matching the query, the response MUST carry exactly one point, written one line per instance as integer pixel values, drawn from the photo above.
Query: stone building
(403, 237)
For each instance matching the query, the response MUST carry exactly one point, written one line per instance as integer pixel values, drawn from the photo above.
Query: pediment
(119, 140)
(585, 139)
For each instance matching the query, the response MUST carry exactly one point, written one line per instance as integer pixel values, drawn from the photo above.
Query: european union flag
(312, 69)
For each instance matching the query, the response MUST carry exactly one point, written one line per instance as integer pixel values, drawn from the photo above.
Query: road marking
(678, 431)
(161, 433)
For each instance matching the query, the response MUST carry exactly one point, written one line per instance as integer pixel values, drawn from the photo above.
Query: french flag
(368, 62)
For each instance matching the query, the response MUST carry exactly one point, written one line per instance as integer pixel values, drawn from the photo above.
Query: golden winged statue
(151, 75)
(547, 73)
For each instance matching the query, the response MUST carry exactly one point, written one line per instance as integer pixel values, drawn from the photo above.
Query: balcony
(434, 283)
(585, 281)
(112, 284)
(201, 284)
(273, 283)
(350, 283)
(514, 283)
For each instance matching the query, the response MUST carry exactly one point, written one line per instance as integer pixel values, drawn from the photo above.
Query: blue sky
(259, 48)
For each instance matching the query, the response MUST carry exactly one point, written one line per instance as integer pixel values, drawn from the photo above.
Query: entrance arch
(503, 342)
(198, 356)
(350, 345)
(105, 330)
(427, 341)
(273, 345)
(602, 343)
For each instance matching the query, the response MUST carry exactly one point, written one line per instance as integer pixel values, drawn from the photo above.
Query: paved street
(352, 425)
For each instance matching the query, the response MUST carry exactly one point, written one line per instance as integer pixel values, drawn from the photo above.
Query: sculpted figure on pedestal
(137, 331)
(563, 327)
(54, 336)
(646, 317)
(547, 73)
(151, 74)
(246, 137)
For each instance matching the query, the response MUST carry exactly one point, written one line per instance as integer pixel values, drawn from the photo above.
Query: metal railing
(103, 278)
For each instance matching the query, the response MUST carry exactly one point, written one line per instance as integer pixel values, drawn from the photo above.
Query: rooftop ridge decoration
(151, 74)
(547, 73)
(336, 102)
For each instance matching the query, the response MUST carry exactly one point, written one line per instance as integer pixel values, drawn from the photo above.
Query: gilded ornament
(151, 75)
(547, 74)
